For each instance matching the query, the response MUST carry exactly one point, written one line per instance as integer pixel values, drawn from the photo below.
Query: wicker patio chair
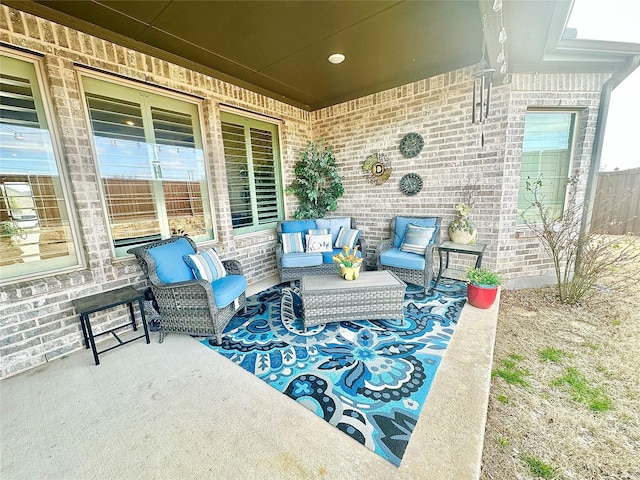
(410, 267)
(189, 306)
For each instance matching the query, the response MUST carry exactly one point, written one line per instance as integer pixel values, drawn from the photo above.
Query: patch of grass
(510, 372)
(591, 345)
(504, 442)
(582, 391)
(503, 399)
(539, 469)
(550, 354)
(616, 323)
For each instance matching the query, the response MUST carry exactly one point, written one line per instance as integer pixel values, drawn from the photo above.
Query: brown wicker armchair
(189, 306)
(410, 267)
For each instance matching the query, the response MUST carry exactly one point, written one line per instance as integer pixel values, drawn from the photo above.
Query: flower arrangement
(349, 258)
(462, 222)
(348, 263)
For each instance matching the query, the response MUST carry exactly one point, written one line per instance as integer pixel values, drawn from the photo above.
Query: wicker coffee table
(330, 298)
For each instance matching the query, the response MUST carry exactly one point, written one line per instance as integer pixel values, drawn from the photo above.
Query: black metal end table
(102, 301)
(448, 247)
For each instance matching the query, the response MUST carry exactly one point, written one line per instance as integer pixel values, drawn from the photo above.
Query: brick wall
(38, 323)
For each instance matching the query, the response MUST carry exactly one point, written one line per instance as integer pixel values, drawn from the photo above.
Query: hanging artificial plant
(318, 185)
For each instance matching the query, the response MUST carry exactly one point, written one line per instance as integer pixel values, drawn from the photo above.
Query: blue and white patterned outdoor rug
(369, 379)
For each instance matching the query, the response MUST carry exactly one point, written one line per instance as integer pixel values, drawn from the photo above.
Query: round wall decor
(411, 184)
(377, 168)
(411, 145)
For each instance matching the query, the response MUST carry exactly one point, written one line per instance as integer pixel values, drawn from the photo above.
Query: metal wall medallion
(411, 145)
(377, 168)
(411, 184)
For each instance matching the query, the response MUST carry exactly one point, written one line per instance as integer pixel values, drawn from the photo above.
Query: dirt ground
(565, 396)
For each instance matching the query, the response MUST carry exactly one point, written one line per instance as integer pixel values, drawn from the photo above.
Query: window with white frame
(36, 234)
(546, 155)
(252, 159)
(151, 163)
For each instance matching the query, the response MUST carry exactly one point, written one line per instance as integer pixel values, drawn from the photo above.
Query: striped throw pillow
(347, 237)
(416, 239)
(292, 242)
(318, 231)
(206, 265)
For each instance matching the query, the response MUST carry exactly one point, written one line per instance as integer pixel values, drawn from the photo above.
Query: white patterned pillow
(206, 265)
(416, 239)
(319, 243)
(347, 237)
(292, 243)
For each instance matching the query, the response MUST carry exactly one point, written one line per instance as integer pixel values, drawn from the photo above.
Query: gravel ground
(565, 396)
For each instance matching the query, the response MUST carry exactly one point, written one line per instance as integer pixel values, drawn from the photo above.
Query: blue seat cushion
(227, 289)
(327, 257)
(403, 222)
(394, 257)
(170, 267)
(301, 259)
(293, 226)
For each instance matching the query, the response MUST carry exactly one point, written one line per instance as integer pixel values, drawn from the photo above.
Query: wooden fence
(616, 208)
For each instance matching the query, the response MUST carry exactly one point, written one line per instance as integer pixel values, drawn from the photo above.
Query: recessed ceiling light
(131, 123)
(336, 58)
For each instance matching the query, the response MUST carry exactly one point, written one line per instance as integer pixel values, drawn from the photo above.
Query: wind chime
(481, 97)
(482, 79)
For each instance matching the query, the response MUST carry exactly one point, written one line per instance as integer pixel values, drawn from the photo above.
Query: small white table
(372, 296)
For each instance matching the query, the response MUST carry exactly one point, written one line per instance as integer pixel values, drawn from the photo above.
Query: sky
(615, 20)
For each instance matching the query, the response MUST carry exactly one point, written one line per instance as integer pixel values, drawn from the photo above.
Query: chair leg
(218, 338)
(161, 336)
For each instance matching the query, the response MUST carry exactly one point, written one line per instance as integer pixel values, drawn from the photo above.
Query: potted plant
(483, 286)
(348, 263)
(318, 184)
(462, 230)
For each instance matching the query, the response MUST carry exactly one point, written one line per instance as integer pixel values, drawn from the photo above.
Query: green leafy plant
(318, 184)
(9, 228)
(484, 276)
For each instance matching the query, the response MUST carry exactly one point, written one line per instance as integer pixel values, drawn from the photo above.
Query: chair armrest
(169, 295)
(384, 245)
(362, 243)
(233, 267)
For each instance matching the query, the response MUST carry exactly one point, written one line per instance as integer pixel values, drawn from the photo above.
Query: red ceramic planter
(481, 296)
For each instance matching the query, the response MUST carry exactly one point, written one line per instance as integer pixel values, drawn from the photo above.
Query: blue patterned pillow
(292, 242)
(347, 237)
(206, 265)
(416, 239)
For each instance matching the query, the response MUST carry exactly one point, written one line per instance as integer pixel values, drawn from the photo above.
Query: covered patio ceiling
(280, 48)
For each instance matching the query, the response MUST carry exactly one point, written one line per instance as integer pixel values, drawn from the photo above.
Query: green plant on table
(484, 276)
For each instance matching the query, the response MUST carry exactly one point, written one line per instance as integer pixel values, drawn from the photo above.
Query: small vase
(349, 273)
(463, 237)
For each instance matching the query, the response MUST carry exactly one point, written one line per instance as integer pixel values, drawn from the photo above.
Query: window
(252, 158)
(36, 234)
(149, 153)
(546, 154)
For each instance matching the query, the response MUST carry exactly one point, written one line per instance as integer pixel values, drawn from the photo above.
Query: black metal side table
(448, 247)
(101, 301)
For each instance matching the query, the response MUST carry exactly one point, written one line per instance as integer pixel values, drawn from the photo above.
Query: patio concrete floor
(178, 411)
